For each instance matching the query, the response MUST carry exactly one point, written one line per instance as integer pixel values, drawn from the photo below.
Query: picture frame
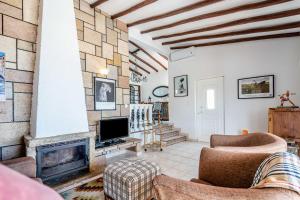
(161, 91)
(181, 86)
(105, 94)
(2, 77)
(256, 87)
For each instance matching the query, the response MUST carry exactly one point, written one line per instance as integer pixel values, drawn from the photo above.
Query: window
(210, 99)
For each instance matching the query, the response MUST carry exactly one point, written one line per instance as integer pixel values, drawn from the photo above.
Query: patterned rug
(89, 191)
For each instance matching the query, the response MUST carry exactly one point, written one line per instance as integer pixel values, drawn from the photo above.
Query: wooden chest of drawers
(285, 122)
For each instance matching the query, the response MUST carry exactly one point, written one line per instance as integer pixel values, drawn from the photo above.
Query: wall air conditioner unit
(182, 54)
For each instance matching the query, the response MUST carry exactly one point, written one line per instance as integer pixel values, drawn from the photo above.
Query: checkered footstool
(130, 179)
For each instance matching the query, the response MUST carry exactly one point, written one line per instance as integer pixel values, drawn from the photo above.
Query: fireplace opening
(57, 163)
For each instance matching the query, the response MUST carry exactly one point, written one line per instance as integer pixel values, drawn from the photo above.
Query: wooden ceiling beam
(248, 20)
(145, 62)
(175, 12)
(148, 54)
(134, 52)
(242, 32)
(130, 69)
(97, 3)
(265, 37)
(165, 57)
(133, 8)
(137, 65)
(250, 6)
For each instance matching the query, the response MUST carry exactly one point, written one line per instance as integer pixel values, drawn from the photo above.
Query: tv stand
(132, 144)
(109, 143)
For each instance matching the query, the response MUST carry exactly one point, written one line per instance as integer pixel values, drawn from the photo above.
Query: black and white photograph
(105, 94)
(256, 87)
(181, 86)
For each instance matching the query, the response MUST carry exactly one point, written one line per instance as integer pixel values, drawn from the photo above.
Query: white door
(209, 108)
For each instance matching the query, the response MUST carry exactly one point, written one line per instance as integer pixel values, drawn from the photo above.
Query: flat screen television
(111, 129)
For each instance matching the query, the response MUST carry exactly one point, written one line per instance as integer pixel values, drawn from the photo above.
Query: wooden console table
(132, 144)
(285, 122)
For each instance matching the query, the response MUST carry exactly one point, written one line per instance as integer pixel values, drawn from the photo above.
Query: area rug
(89, 191)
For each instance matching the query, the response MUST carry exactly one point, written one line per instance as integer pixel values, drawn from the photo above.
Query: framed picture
(2, 77)
(105, 94)
(181, 86)
(256, 87)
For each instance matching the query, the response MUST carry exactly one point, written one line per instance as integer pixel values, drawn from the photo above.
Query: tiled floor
(179, 160)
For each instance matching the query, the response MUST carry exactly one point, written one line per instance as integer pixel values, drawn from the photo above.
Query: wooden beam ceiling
(134, 52)
(130, 69)
(175, 12)
(137, 65)
(98, 3)
(245, 7)
(133, 8)
(165, 57)
(241, 32)
(260, 18)
(265, 37)
(148, 54)
(145, 62)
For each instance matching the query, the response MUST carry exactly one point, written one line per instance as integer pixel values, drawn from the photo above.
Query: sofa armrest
(23, 165)
(226, 140)
(14, 186)
(167, 188)
(229, 169)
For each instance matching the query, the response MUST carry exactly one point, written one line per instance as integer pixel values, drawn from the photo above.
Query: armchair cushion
(280, 170)
(229, 169)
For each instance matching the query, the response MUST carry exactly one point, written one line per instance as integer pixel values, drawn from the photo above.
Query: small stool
(130, 179)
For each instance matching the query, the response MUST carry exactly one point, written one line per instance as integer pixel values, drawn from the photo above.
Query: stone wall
(103, 43)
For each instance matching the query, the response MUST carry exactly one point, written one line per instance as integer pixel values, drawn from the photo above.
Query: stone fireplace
(59, 140)
(62, 161)
(63, 157)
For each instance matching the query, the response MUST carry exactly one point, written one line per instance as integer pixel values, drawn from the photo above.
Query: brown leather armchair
(251, 143)
(223, 175)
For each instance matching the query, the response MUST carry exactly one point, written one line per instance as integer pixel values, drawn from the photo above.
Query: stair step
(164, 126)
(169, 131)
(174, 140)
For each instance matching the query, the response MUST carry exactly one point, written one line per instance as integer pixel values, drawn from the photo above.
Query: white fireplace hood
(58, 106)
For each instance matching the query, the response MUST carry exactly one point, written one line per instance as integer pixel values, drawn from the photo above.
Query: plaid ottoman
(130, 179)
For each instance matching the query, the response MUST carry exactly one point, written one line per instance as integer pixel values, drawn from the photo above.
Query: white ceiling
(162, 6)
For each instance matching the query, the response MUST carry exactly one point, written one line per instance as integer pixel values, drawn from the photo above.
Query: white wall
(280, 57)
(155, 79)
(58, 98)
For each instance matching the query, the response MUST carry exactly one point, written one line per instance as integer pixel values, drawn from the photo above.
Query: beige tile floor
(179, 160)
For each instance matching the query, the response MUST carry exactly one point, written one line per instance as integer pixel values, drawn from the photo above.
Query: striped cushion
(280, 170)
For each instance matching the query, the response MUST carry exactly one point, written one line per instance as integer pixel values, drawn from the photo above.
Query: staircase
(169, 134)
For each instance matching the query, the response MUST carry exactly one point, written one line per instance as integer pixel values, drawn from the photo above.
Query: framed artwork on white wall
(181, 86)
(105, 94)
(256, 87)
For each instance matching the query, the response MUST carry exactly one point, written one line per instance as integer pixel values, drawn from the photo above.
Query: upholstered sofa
(251, 143)
(223, 175)
(15, 186)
